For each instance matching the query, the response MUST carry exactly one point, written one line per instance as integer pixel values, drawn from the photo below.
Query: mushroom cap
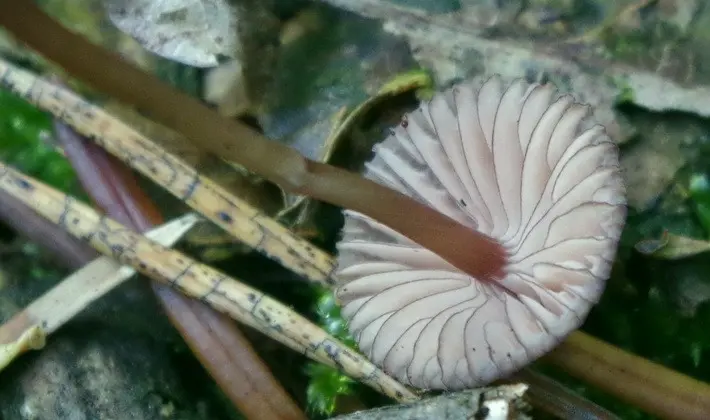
(515, 162)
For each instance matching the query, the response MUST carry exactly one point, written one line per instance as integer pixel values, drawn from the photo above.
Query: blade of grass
(30, 338)
(214, 338)
(241, 302)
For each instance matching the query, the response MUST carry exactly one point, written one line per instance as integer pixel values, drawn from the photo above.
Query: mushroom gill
(517, 162)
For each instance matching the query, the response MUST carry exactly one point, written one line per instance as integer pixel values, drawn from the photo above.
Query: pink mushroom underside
(513, 162)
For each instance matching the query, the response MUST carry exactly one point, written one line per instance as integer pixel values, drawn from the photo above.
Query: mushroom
(520, 164)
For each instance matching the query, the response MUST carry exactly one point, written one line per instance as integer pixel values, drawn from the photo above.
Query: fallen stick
(28, 328)
(228, 295)
(491, 403)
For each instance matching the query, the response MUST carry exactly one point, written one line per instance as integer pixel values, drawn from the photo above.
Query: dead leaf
(300, 209)
(193, 32)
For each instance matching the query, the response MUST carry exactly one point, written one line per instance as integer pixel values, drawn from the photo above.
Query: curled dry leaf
(302, 209)
(193, 32)
(512, 163)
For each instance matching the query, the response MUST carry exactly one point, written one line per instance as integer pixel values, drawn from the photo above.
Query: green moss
(25, 135)
(327, 384)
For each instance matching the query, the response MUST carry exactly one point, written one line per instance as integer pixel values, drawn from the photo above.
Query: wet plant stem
(556, 399)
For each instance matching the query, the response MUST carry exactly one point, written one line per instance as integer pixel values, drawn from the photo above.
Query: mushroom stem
(466, 249)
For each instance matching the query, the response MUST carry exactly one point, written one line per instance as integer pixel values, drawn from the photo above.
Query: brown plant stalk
(238, 143)
(214, 338)
(656, 389)
(554, 398)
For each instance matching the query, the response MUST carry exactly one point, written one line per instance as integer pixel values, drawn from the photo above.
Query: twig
(221, 292)
(219, 345)
(61, 303)
(238, 143)
(236, 216)
(499, 403)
